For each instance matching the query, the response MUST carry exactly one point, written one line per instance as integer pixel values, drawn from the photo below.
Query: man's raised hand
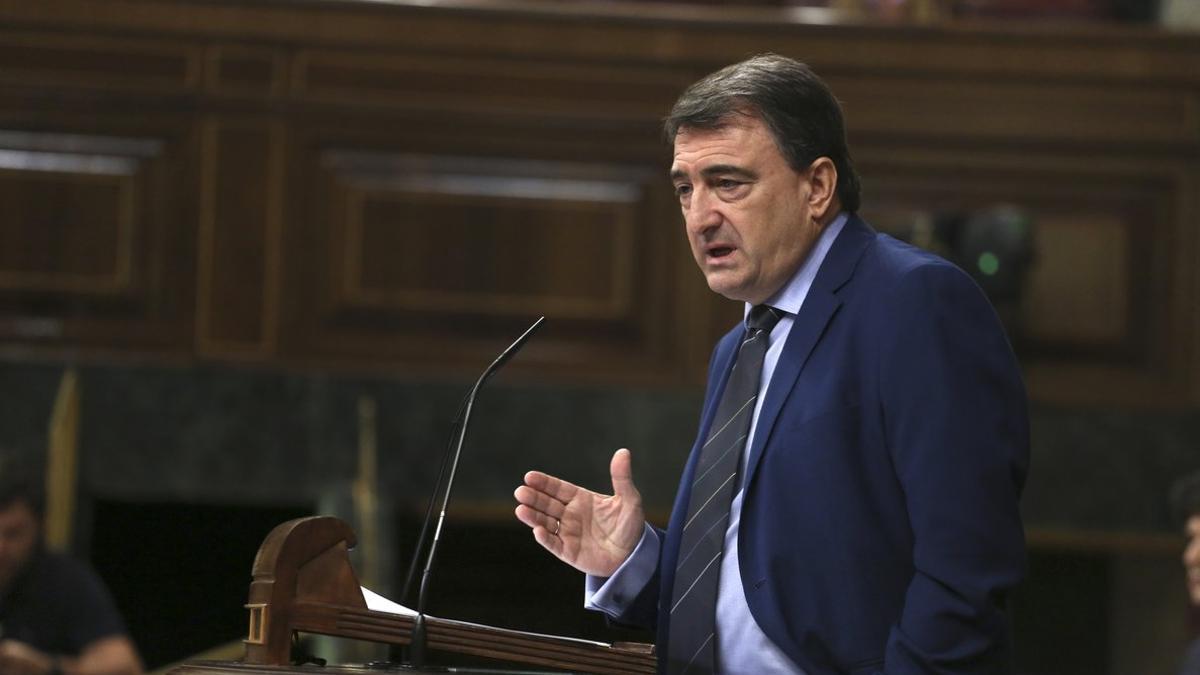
(591, 532)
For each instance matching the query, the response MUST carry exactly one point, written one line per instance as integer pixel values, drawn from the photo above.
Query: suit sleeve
(956, 425)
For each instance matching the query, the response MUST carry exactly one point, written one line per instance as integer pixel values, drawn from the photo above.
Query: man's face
(746, 210)
(18, 538)
(1191, 558)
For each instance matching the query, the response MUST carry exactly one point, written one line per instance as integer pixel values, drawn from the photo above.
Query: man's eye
(683, 190)
(727, 184)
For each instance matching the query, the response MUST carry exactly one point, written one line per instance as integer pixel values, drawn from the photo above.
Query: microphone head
(513, 348)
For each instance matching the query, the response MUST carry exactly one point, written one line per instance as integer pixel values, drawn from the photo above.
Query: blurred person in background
(1185, 500)
(56, 615)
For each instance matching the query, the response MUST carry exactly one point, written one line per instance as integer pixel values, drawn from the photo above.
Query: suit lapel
(718, 375)
(722, 366)
(809, 325)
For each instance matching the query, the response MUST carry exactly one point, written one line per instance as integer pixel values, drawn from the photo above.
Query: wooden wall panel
(66, 231)
(84, 238)
(1106, 258)
(426, 259)
(240, 226)
(486, 237)
(1079, 288)
(357, 185)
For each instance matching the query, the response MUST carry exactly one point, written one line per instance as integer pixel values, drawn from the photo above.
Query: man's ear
(822, 195)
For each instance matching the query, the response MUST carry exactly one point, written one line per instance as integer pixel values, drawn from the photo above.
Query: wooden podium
(303, 582)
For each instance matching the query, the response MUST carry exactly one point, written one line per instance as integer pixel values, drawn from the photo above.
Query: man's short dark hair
(18, 484)
(1185, 498)
(795, 105)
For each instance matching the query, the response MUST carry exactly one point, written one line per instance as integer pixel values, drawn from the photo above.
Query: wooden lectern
(303, 582)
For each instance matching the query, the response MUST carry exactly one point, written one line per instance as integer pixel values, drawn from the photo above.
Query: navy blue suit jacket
(879, 530)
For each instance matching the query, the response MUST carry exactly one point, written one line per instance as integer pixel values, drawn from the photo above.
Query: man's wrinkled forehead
(739, 117)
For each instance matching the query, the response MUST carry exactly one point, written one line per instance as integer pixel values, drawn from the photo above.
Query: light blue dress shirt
(739, 638)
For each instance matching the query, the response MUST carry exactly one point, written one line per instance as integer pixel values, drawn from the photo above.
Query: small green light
(989, 264)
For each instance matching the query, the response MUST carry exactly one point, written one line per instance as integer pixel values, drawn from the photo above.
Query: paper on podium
(378, 603)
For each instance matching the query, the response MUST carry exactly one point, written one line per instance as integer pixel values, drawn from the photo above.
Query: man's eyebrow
(718, 170)
(728, 170)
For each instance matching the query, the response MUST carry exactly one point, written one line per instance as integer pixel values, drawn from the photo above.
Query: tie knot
(763, 317)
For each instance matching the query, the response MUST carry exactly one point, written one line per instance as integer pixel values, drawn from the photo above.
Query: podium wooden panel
(238, 668)
(303, 582)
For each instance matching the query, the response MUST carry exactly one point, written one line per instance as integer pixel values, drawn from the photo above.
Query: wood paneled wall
(405, 188)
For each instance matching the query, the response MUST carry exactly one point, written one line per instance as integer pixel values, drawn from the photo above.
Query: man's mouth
(718, 252)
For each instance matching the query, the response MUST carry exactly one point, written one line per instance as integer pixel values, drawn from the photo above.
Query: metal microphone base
(391, 667)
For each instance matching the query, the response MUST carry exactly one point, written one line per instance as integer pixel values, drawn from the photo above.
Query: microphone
(418, 643)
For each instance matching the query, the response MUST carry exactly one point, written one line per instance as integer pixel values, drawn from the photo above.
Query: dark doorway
(180, 572)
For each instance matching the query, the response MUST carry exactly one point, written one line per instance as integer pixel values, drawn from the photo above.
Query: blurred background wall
(268, 245)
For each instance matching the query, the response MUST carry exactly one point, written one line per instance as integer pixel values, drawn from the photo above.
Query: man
(1185, 498)
(55, 614)
(850, 505)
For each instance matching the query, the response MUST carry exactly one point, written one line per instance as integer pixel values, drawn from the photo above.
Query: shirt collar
(791, 297)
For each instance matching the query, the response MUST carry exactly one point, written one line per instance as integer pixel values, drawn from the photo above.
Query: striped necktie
(694, 596)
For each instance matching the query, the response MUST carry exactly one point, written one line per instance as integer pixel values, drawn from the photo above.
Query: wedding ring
(557, 527)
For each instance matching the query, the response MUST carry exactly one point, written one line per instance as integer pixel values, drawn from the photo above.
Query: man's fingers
(621, 468)
(525, 515)
(536, 519)
(555, 487)
(548, 541)
(539, 501)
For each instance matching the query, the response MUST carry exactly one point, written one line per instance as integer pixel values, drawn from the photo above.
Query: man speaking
(850, 504)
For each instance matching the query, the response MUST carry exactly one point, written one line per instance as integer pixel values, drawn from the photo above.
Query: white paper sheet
(378, 603)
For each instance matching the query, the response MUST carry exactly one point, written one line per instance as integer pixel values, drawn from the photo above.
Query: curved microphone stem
(417, 646)
(419, 544)
(396, 652)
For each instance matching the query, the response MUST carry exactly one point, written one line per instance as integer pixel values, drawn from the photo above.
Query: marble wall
(215, 434)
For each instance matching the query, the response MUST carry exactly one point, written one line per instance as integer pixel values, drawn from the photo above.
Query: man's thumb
(621, 469)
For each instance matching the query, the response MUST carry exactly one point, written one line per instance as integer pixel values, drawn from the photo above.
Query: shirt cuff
(614, 594)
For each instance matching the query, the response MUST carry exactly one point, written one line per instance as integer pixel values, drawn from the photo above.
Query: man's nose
(702, 213)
